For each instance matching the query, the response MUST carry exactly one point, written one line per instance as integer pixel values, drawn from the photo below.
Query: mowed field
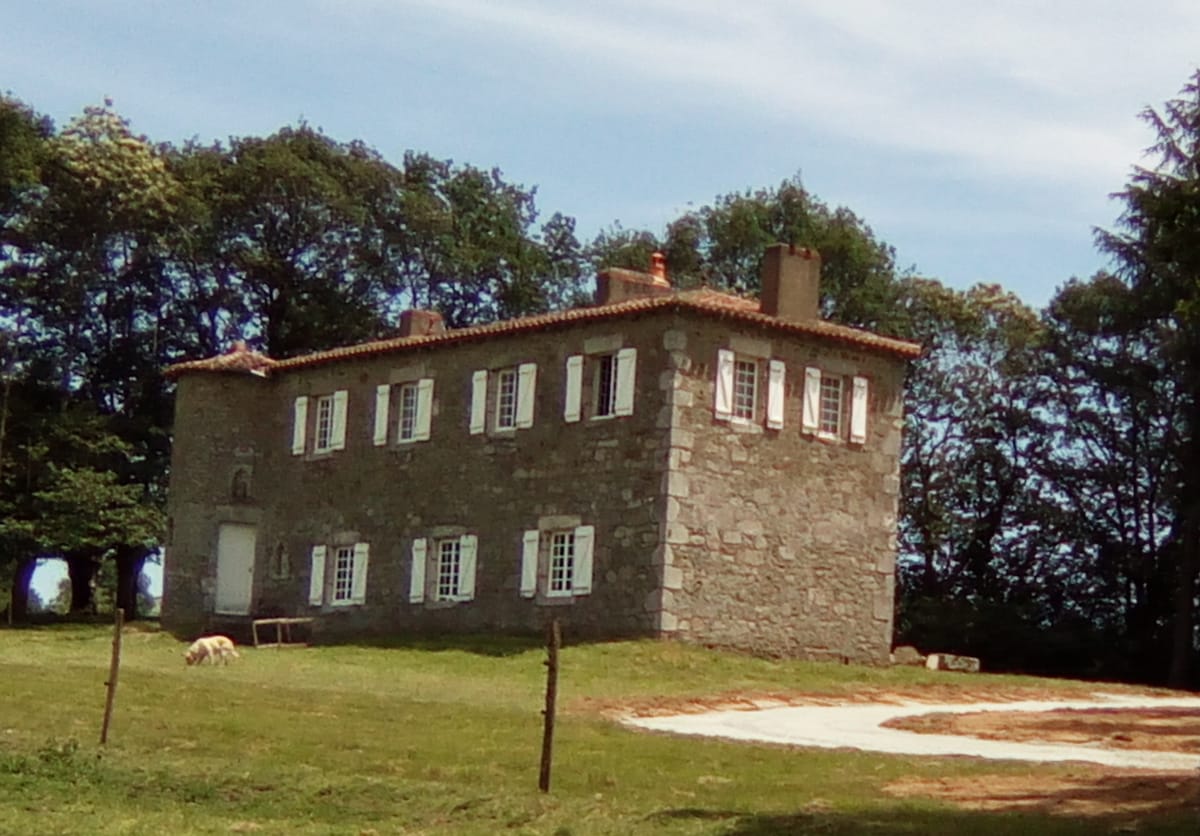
(445, 738)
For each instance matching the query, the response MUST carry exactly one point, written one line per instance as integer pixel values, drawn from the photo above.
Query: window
(562, 562)
(328, 431)
(739, 383)
(829, 421)
(561, 559)
(449, 567)
(408, 412)
(452, 570)
(347, 576)
(324, 434)
(613, 378)
(343, 573)
(745, 389)
(414, 407)
(826, 406)
(606, 385)
(508, 393)
(506, 399)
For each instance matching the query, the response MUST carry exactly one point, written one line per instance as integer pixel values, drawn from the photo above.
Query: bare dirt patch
(1150, 729)
(1080, 790)
(1087, 791)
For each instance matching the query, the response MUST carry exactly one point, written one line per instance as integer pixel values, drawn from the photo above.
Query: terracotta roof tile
(703, 301)
(237, 359)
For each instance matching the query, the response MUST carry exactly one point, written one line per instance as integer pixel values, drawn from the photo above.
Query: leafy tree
(1113, 432)
(722, 245)
(1156, 246)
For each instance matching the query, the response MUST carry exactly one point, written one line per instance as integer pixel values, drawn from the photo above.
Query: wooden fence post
(114, 668)
(553, 642)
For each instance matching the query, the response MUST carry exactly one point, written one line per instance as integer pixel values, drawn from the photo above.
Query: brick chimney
(419, 323)
(791, 282)
(617, 284)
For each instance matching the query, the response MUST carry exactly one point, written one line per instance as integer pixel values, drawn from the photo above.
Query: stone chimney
(419, 323)
(617, 284)
(791, 282)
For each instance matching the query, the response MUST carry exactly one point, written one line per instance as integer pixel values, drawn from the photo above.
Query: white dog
(212, 648)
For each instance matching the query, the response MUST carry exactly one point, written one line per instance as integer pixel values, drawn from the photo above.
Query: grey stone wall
(775, 541)
(603, 472)
(712, 532)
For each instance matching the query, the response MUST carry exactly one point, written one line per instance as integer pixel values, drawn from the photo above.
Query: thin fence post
(553, 642)
(114, 670)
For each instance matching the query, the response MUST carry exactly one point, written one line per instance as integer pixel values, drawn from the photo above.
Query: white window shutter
(529, 563)
(383, 393)
(424, 409)
(468, 545)
(776, 390)
(810, 412)
(858, 411)
(581, 582)
(723, 407)
(358, 578)
(316, 578)
(337, 440)
(478, 401)
(526, 388)
(626, 379)
(416, 579)
(299, 424)
(574, 393)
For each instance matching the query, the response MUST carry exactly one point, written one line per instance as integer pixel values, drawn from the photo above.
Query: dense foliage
(1050, 501)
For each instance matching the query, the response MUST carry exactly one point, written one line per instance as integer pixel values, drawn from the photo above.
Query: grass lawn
(444, 738)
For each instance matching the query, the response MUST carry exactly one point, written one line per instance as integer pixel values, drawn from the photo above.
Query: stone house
(671, 463)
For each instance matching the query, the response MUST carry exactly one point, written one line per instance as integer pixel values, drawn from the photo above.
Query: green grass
(439, 738)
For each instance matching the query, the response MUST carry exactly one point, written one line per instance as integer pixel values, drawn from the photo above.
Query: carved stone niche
(239, 484)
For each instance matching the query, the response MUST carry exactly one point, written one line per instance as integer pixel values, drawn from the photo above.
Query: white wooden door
(235, 568)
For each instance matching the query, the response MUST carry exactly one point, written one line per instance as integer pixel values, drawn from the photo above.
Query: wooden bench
(283, 631)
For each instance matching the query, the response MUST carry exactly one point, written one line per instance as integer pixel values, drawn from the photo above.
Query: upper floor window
(830, 419)
(506, 399)
(611, 378)
(834, 403)
(745, 388)
(414, 410)
(324, 423)
(507, 394)
(740, 385)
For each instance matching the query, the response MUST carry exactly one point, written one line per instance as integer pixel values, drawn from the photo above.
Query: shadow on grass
(502, 645)
(894, 820)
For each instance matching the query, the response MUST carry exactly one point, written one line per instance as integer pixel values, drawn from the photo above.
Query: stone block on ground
(951, 662)
(906, 654)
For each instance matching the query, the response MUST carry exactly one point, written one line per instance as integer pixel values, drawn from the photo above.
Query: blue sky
(980, 139)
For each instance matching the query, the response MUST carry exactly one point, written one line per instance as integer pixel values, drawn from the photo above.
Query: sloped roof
(703, 301)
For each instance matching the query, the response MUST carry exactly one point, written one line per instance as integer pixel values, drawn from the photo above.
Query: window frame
(604, 392)
(740, 410)
(833, 404)
(323, 412)
(342, 590)
(440, 548)
(560, 567)
(508, 392)
(406, 412)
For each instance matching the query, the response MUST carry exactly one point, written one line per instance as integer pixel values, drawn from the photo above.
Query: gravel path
(858, 727)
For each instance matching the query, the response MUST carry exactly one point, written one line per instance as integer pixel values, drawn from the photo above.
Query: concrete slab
(859, 727)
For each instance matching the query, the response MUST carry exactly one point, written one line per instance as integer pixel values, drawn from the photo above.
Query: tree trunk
(1182, 639)
(20, 591)
(129, 569)
(81, 571)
